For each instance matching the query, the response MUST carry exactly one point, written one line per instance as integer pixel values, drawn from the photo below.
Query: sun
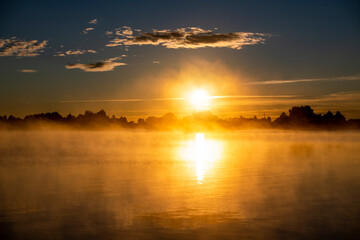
(199, 99)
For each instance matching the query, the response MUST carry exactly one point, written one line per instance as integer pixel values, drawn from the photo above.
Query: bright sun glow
(199, 99)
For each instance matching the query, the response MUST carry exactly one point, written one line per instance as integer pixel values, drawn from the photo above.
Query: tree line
(299, 117)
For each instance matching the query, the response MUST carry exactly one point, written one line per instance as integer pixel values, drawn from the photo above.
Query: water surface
(151, 185)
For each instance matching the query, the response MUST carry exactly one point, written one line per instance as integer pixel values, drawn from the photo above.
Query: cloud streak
(173, 99)
(102, 66)
(344, 78)
(191, 38)
(87, 30)
(21, 48)
(121, 100)
(28, 71)
(94, 21)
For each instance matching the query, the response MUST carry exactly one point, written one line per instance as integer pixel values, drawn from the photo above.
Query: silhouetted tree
(141, 122)
(70, 117)
(302, 115)
(282, 121)
(339, 118)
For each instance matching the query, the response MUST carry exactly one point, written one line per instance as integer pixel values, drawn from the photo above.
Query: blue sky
(294, 53)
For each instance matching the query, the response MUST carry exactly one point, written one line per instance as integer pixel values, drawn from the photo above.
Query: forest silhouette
(299, 117)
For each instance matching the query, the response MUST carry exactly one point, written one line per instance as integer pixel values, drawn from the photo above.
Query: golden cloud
(191, 37)
(74, 52)
(20, 48)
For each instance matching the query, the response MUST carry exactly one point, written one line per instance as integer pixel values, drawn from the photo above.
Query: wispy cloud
(342, 96)
(176, 98)
(190, 37)
(116, 58)
(27, 71)
(87, 30)
(102, 66)
(344, 78)
(94, 21)
(121, 100)
(255, 96)
(21, 48)
(74, 52)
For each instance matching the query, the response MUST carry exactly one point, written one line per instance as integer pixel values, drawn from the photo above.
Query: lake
(169, 185)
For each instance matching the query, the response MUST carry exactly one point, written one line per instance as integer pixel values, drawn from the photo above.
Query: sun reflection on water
(203, 153)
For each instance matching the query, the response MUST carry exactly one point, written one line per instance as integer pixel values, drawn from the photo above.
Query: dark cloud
(191, 37)
(21, 48)
(211, 38)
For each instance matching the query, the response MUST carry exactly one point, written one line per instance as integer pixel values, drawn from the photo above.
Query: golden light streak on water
(203, 153)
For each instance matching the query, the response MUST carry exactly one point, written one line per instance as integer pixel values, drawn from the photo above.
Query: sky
(143, 58)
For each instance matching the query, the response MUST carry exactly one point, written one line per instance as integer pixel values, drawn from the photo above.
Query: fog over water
(172, 185)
